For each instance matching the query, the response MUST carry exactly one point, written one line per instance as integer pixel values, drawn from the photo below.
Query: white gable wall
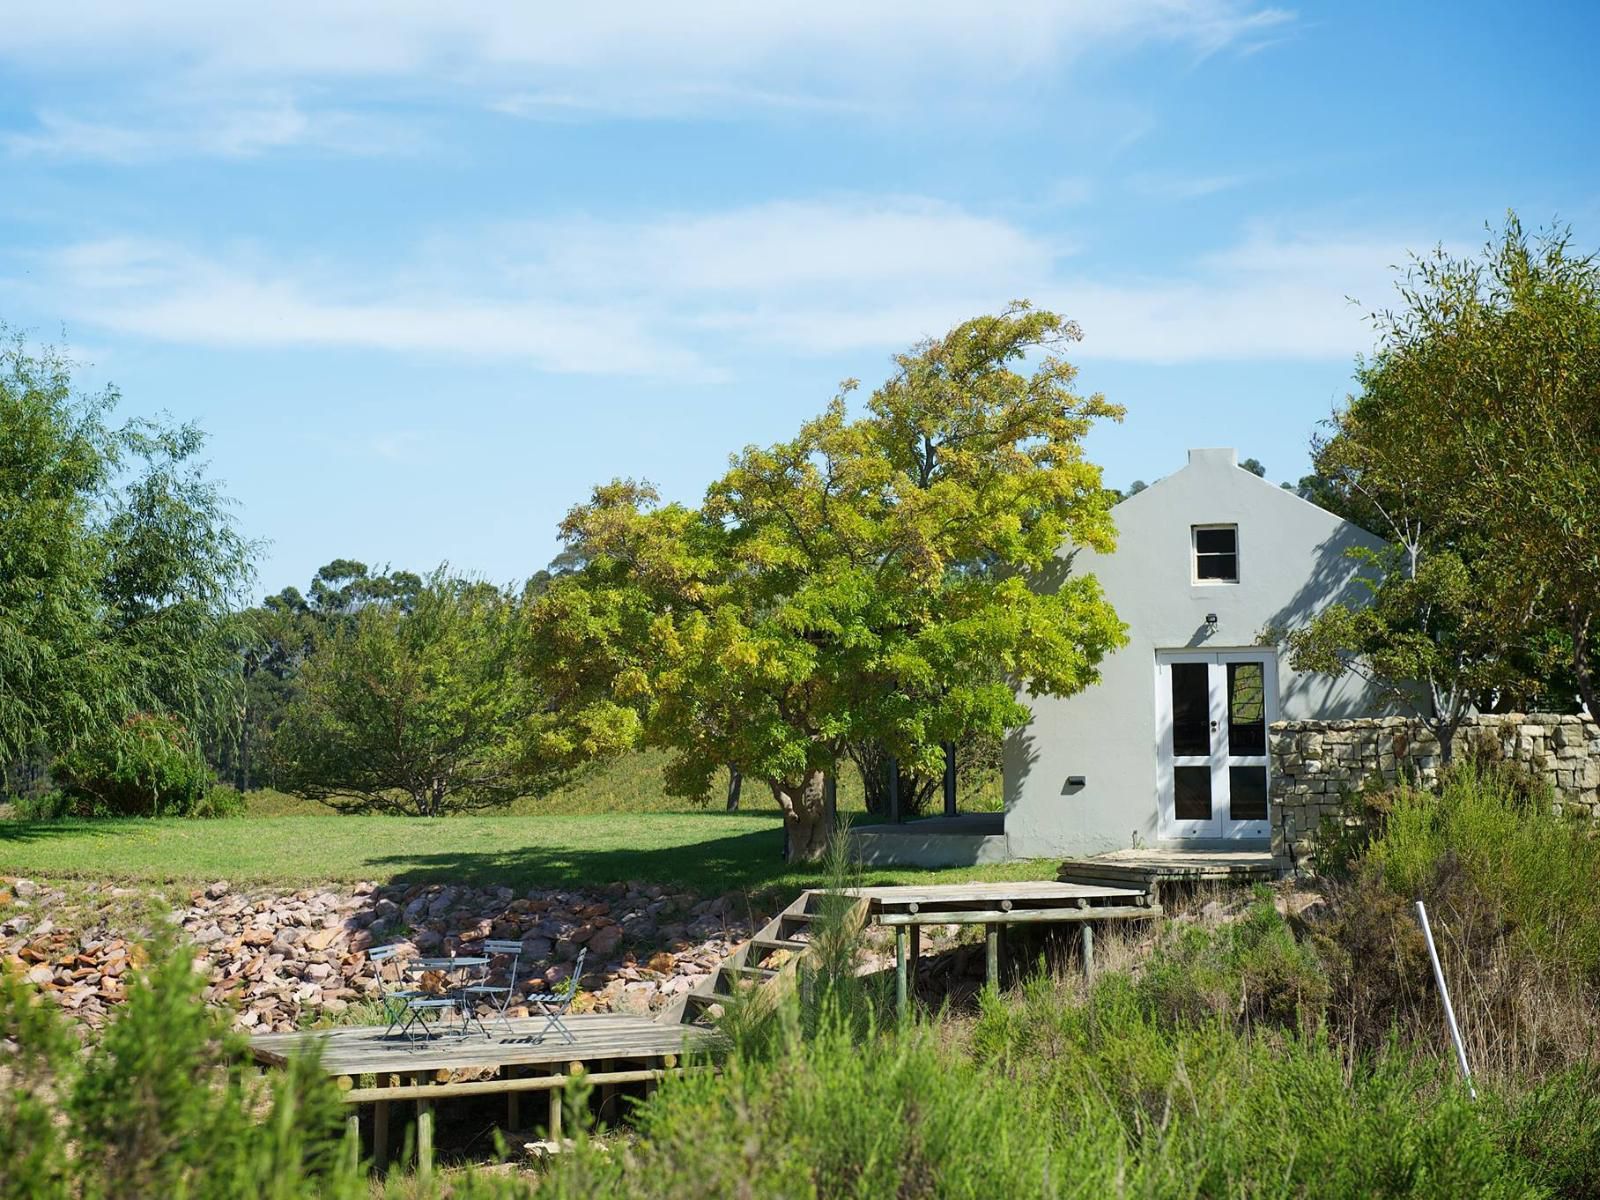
(1292, 564)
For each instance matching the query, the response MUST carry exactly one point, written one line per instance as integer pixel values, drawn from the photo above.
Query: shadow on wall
(1334, 578)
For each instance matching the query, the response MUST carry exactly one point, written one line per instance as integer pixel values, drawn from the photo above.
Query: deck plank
(360, 1050)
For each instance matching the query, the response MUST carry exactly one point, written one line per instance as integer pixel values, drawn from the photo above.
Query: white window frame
(1194, 557)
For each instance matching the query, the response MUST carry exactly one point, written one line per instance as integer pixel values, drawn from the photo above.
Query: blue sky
(427, 272)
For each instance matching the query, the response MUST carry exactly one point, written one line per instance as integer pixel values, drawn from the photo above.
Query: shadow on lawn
(740, 862)
(39, 831)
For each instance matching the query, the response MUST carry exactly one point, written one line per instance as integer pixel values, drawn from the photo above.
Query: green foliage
(273, 641)
(162, 1105)
(888, 579)
(1429, 641)
(1252, 971)
(1476, 431)
(148, 766)
(118, 562)
(416, 708)
(1535, 869)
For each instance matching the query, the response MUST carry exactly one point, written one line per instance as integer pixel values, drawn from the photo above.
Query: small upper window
(1216, 553)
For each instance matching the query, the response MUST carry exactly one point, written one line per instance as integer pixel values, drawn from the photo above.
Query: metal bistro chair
(553, 1005)
(396, 1002)
(496, 996)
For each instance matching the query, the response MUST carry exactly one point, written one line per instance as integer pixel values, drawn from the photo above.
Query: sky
(426, 272)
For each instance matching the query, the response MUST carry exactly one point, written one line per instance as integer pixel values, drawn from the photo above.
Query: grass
(635, 783)
(614, 823)
(707, 852)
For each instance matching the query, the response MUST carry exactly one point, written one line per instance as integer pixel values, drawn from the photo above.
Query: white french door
(1212, 711)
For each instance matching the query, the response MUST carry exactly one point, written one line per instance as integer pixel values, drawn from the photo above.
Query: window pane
(1247, 793)
(1191, 709)
(1217, 566)
(1216, 541)
(1191, 799)
(1247, 709)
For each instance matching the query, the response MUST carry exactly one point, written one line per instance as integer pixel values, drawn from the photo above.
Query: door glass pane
(1247, 708)
(1191, 799)
(1191, 709)
(1247, 793)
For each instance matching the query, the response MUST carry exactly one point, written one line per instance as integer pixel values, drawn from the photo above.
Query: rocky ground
(288, 959)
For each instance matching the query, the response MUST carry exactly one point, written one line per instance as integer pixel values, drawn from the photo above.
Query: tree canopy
(1476, 435)
(119, 560)
(415, 705)
(891, 577)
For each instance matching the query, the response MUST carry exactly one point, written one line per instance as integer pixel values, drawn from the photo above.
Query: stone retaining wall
(1315, 764)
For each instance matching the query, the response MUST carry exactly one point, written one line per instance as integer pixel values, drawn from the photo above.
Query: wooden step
(743, 972)
(706, 999)
(778, 943)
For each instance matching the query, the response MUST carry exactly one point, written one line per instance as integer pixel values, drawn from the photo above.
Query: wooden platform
(366, 1050)
(613, 1051)
(1150, 870)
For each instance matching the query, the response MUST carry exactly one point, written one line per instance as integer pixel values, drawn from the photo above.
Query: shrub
(1252, 971)
(150, 765)
(164, 1104)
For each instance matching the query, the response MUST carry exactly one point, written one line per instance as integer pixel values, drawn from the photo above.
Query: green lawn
(706, 852)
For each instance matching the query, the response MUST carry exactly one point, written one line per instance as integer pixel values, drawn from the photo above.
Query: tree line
(884, 584)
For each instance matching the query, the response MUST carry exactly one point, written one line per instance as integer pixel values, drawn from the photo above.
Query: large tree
(119, 562)
(416, 707)
(891, 578)
(1477, 431)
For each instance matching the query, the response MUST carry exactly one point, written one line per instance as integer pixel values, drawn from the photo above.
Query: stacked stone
(1315, 764)
(282, 959)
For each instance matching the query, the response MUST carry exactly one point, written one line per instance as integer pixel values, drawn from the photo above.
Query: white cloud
(232, 128)
(713, 58)
(685, 296)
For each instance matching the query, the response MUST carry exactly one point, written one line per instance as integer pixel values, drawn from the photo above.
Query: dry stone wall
(282, 960)
(1315, 764)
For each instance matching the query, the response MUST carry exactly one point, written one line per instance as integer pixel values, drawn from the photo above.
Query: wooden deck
(613, 1051)
(1153, 869)
(366, 1050)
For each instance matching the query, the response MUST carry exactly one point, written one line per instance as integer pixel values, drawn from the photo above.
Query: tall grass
(1540, 872)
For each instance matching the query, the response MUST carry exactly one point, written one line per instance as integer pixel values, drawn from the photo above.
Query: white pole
(1444, 992)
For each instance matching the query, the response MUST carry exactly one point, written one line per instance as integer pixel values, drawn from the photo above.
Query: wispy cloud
(235, 128)
(173, 67)
(1172, 185)
(688, 296)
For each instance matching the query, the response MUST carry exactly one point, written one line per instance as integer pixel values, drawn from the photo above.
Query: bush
(148, 766)
(164, 1104)
(1252, 971)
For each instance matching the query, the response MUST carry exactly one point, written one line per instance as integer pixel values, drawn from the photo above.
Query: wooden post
(513, 1116)
(380, 1129)
(424, 1137)
(1088, 950)
(352, 1134)
(949, 779)
(900, 966)
(555, 1115)
(991, 954)
(916, 956)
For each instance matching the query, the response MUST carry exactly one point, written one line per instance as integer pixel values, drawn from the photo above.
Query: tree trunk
(805, 817)
(735, 783)
(1582, 667)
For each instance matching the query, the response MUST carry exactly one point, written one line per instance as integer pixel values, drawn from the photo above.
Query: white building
(1169, 749)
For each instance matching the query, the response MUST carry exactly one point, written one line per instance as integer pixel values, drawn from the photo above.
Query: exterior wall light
(1211, 622)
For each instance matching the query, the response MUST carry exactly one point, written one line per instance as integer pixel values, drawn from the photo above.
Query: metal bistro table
(457, 992)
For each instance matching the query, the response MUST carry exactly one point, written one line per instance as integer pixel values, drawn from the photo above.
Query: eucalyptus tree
(891, 578)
